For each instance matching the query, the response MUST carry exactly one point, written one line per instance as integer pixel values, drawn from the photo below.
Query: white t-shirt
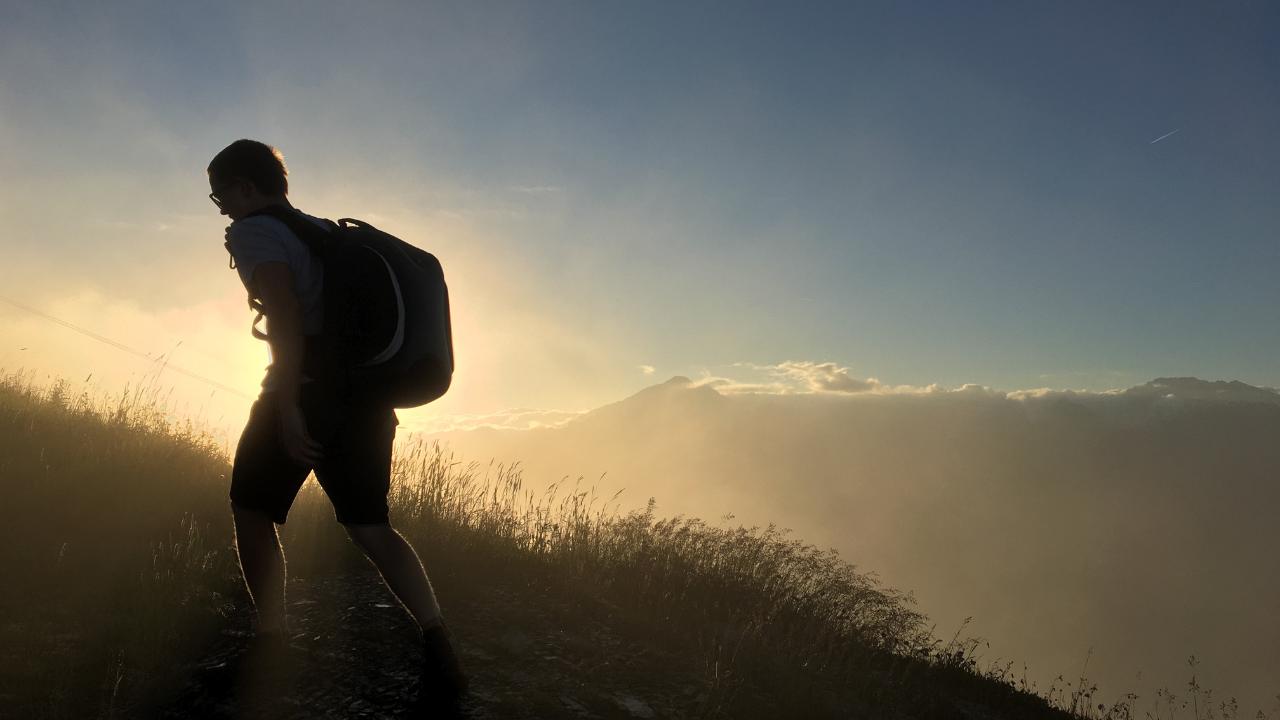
(262, 238)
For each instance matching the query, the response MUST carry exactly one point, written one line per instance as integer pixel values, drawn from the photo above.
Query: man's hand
(297, 441)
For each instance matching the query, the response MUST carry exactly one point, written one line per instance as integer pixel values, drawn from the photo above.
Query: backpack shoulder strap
(308, 232)
(312, 236)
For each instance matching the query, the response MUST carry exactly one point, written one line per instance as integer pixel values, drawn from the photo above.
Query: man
(300, 423)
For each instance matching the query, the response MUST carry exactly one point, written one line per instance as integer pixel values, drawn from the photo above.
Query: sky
(922, 193)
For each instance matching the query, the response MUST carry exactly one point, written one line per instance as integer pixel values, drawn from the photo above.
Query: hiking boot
(443, 681)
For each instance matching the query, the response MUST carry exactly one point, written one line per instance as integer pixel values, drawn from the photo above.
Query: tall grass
(114, 542)
(757, 605)
(117, 531)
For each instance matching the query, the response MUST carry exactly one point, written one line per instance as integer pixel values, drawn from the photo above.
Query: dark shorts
(355, 471)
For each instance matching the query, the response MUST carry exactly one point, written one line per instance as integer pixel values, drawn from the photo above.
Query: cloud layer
(1138, 522)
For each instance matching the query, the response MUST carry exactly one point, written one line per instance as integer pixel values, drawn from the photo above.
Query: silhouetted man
(300, 423)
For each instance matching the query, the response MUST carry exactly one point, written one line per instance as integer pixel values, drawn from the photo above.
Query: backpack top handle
(345, 223)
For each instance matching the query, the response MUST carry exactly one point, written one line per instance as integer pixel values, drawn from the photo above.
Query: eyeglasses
(214, 195)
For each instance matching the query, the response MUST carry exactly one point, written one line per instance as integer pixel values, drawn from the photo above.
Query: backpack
(387, 339)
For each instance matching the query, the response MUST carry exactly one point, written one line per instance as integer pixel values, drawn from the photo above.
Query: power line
(126, 348)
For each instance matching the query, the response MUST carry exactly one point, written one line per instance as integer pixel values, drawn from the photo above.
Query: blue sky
(919, 192)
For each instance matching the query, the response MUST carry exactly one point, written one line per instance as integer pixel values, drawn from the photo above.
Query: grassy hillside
(122, 581)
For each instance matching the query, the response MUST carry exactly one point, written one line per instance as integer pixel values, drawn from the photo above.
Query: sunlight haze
(968, 291)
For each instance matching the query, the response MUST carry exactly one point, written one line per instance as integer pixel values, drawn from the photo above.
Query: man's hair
(257, 162)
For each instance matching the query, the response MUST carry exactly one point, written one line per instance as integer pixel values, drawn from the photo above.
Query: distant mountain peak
(1193, 388)
(678, 395)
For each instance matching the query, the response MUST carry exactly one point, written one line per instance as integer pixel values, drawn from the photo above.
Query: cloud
(729, 386)
(513, 419)
(804, 376)
(648, 369)
(1160, 392)
(829, 379)
(1189, 388)
(825, 377)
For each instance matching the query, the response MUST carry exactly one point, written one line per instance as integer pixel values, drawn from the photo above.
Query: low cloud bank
(799, 377)
(514, 419)
(1137, 523)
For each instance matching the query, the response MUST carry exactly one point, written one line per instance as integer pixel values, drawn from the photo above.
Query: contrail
(1153, 142)
(126, 348)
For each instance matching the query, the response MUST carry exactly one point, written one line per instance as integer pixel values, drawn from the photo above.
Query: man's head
(247, 175)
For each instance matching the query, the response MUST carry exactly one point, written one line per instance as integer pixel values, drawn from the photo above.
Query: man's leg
(401, 569)
(262, 562)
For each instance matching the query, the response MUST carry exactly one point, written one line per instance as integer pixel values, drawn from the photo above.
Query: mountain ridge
(964, 495)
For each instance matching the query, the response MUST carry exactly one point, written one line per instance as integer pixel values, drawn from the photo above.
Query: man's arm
(273, 282)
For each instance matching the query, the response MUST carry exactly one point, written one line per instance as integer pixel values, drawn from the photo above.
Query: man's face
(231, 196)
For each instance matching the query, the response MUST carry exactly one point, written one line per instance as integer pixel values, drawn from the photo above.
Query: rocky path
(354, 655)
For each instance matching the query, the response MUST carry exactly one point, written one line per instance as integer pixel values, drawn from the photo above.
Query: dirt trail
(355, 656)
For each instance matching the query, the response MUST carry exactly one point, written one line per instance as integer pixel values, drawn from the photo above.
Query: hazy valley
(1139, 523)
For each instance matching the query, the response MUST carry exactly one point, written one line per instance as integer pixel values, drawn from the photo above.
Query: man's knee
(365, 533)
(245, 511)
(247, 517)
